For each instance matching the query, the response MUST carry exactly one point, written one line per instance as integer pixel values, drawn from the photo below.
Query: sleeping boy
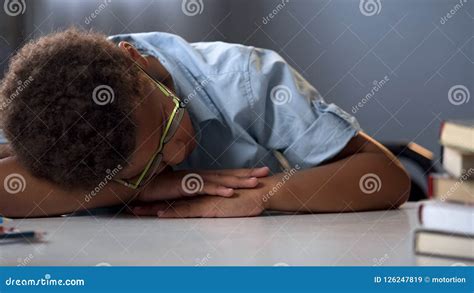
(168, 128)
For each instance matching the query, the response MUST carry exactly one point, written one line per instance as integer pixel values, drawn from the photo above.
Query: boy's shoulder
(213, 57)
(224, 57)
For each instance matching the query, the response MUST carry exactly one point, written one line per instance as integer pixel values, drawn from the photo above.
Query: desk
(368, 238)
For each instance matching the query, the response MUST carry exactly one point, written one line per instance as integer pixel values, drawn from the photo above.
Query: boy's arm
(363, 176)
(23, 195)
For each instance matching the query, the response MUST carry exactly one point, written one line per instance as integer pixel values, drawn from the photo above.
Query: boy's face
(150, 116)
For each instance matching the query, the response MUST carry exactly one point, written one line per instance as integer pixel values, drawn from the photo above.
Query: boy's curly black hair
(65, 106)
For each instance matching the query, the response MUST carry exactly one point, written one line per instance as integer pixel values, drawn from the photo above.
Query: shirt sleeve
(295, 119)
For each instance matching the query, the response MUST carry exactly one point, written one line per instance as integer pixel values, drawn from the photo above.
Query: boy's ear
(131, 51)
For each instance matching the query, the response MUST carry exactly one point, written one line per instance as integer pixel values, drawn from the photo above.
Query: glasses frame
(169, 131)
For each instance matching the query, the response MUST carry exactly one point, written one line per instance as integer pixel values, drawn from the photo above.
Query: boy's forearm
(34, 197)
(341, 186)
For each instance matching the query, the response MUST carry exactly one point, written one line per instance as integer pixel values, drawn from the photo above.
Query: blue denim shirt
(247, 105)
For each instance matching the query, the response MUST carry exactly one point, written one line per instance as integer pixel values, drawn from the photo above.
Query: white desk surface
(368, 238)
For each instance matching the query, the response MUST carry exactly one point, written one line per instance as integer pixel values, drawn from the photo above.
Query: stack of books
(448, 219)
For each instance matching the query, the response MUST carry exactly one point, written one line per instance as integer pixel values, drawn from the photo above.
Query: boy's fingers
(231, 181)
(254, 172)
(181, 210)
(209, 188)
(193, 186)
(149, 209)
(214, 184)
(178, 209)
(260, 172)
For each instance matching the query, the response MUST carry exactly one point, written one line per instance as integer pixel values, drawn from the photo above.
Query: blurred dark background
(421, 48)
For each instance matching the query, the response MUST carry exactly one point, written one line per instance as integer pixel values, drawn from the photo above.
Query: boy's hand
(244, 203)
(173, 185)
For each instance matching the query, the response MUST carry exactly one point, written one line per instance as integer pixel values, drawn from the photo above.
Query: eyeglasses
(170, 129)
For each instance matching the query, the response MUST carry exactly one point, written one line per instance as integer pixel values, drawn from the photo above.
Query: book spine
(441, 128)
(420, 214)
(430, 186)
